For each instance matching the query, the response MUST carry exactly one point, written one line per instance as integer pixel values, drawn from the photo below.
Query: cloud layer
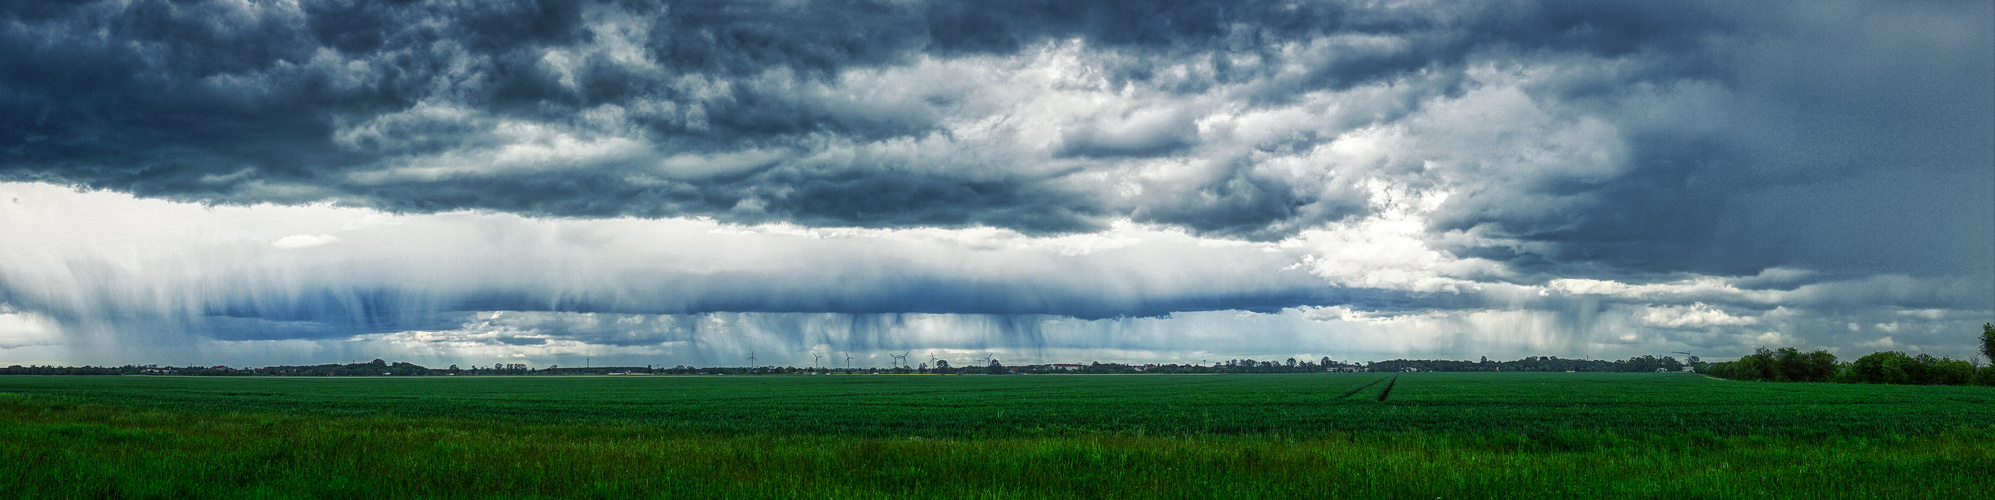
(1689, 167)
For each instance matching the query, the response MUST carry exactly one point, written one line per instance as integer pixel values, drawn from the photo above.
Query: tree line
(1785, 364)
(1637, 364)
(1788, 364)
(992, 366)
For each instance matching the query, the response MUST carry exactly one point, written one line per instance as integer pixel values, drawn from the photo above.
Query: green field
(1187, 436)
(988, 406)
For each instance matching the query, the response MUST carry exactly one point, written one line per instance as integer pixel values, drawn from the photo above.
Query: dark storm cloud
(162, 98)
(1642, 139)
(1852, 138)
(225, 102)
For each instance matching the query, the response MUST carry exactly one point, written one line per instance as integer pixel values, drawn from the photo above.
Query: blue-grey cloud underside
(1634, 141)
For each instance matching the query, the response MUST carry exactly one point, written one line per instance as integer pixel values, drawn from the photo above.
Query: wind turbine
(848, 361)
(814, 356)
(751, 359)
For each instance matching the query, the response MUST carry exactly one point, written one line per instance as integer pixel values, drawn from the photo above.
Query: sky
(637, 183)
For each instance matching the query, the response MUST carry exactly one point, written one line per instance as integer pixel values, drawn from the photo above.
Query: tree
(995, 368)
(941, 365)
(1988, 341)
(1669, 363)
(1984, 376)
(1788, 365)
(1792, 365)
(1757, 366)
(1886, 367)
(1821, 366)
(1949, 372)
(1920, 370)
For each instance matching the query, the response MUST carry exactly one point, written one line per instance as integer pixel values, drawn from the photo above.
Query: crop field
(1078, 436)
(980, 406)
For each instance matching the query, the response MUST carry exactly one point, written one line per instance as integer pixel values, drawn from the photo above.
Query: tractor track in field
(1359, 389)
(1388, 389)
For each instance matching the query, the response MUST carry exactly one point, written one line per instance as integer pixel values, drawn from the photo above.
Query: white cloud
(111, 263)
(1697, 315)
(1772, 338)
(80, 252)
(1880, 343)
(1389, 249)
(303, 240)
(19, 329)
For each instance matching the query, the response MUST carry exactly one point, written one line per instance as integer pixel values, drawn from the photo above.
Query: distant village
(987, 366)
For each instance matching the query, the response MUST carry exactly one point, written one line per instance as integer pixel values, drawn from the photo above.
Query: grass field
(1446, 435)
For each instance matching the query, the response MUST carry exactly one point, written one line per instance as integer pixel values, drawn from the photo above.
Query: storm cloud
(1689, 173)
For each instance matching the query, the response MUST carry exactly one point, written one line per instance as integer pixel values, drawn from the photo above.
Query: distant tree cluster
(1788, 364)
(73, 370)
(375, 368)
(380, 368)
(1643, 363)
(1784, 365)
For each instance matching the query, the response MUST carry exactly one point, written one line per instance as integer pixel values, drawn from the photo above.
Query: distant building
(1066, 366)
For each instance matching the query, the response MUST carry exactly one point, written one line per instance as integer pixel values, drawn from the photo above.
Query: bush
(1985, 376)
(1845, 374)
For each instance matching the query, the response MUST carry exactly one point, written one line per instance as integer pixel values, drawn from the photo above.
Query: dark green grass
(60, 450)
(1245, 436)
(1003, 406)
